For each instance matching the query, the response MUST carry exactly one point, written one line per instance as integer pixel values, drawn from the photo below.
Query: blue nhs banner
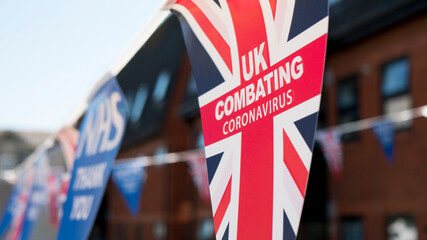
(101, 133)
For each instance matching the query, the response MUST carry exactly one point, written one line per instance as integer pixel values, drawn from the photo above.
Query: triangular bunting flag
(198, 170)
(258, 67)
(37, 197)
(11, 207)
(129, 178)
(384, 131)
(332, 149)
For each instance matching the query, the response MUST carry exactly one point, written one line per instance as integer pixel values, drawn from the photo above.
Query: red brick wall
(371, 188)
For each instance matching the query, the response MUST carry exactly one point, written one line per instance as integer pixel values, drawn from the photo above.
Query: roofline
(366, 26)
(136, 44)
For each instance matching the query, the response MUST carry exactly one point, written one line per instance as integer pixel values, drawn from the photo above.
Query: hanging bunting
(54, 187)
(384, 131)
(129, 178)
(57, 188)
(23, 205)
(198, 171)
(58, 181)
(12, 207)
(20, 203)
(68, 137)
(37, 197)
(64, 182)
(258, 66)
(101, 133)
(332, 150)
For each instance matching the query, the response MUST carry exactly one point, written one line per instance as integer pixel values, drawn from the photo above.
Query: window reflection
(161, 87)
(395, 89)
(200, 141)
(395, 78)
(138, 104)
(352, 229)
(348, 106)
(401, 228)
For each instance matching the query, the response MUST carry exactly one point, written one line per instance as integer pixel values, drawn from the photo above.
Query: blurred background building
(16, 146)
(376, 64)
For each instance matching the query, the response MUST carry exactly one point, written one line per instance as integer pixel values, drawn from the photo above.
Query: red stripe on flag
(293, 162)
(214, 36)
(273, 7)
(222, 207)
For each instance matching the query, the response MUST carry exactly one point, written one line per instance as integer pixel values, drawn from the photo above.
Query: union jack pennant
(198, 171)
(258, 65)
(332, 150)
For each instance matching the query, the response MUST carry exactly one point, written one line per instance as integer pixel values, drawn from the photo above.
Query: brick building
(376, 61)
(376, 64)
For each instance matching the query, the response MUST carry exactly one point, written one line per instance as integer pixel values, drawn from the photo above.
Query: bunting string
(327, 137)
(162, 159)
(394, 117)
(169, 158)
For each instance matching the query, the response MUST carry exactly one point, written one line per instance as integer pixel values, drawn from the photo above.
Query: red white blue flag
(332, 150)
(258, 66)
(67, 137)
(20, 203)
(37, 197)
(198, 171)
(11, 223)
(53, 192)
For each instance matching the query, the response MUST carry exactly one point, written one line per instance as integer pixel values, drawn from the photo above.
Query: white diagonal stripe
(213, 13)
(220, 180)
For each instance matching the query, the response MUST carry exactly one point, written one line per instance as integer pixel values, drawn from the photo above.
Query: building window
(395, 89)
(348, 104)
(139, 233)
(121, 231)
(189, 108)
(352, 228)
(192, 86)
(159, 230)
(401, 228)
(333, 2)
(206, 230)
(130, 98)
(161, 87)
(138, 104)
(200, 141)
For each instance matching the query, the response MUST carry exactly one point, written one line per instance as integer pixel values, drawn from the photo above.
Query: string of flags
(383, 128)
(375, 123)
(36, 184)
(39, 186)
(129, 177)
(332, 150)
(247, 114)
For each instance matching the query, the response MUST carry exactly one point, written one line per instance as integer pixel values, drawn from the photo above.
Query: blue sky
(53, 52)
